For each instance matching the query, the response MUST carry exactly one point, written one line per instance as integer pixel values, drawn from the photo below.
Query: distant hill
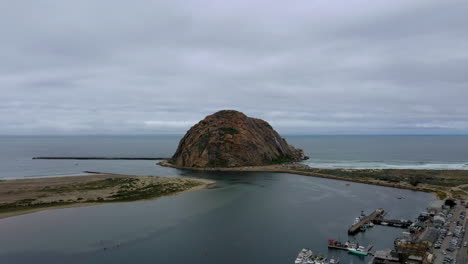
(229, 138)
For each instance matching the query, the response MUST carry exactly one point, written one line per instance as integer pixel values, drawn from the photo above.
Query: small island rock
(229, 138)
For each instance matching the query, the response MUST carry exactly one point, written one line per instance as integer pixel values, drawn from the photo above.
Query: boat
(360, 250)
(357, 220)
(303, 256)
(338, 245)
(306, 256)
(384, 223)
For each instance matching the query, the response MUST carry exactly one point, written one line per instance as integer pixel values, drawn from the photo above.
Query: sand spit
(21, 196)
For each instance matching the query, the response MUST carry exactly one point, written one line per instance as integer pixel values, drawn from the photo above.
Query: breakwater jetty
(99, 158)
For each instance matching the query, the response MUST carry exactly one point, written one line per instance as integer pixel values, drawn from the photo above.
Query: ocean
(373, 152)
(245, 218)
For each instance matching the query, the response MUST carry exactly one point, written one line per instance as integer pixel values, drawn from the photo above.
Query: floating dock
(366, 219)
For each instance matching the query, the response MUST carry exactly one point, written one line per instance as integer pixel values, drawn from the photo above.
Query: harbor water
(244, 218)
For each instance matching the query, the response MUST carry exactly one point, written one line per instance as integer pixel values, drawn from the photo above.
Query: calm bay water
(246, 218)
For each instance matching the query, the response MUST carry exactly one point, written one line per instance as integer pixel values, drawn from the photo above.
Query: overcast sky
(307, 67)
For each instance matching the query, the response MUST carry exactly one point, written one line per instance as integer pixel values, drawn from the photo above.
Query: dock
(392, 222)
(335, 244)
(366, 219)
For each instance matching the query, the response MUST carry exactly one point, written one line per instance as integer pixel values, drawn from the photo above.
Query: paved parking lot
(462, 256)
(459, 255)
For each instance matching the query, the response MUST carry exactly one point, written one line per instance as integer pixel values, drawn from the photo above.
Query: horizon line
(284, 134)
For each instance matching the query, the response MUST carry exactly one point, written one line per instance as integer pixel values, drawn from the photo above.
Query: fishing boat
(339, 245)
(360, 250)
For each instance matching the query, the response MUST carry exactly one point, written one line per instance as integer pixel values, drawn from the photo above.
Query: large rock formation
(229, 138)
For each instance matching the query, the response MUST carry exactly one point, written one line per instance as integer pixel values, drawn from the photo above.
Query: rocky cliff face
(231, 139)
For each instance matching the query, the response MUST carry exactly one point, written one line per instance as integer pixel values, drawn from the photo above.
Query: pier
(98, 158)
(367, 219)
(377, 217)
(395, 223)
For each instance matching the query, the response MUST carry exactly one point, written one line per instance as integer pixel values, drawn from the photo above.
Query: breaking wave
(348, 164)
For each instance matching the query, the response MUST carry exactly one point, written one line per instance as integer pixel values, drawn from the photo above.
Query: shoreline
(53, 201)
(441, 192)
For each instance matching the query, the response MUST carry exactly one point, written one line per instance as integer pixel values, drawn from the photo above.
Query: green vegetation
(153, 190)
(222, 163)
(27, 205)
(229, 130)
(282, 159)
(414, 180)
(203, 142)
(455, 193)
(128, 190)
(414, 177)
(94, 185)
(441, 195)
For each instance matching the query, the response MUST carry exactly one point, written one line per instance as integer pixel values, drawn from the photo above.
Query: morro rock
(229, 138)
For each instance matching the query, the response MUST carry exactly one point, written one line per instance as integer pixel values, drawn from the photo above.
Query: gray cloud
(116, 67)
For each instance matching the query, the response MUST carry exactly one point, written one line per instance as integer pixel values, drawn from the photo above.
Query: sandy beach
(22, 196)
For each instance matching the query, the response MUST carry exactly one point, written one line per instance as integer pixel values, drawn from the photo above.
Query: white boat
(306, 256)
(358, 251)
(303, 256)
